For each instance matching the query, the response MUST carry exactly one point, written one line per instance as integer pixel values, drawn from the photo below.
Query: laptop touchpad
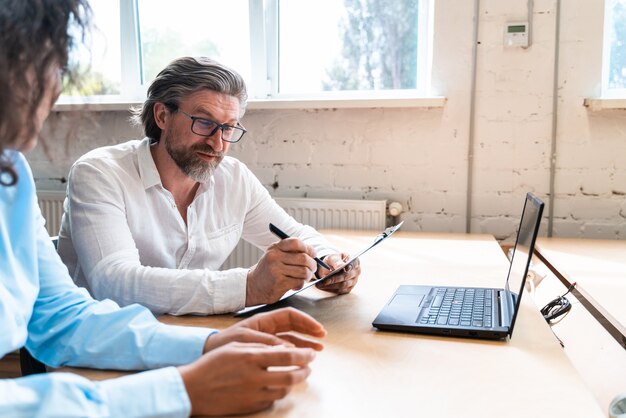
(407, 301)
(402, 309)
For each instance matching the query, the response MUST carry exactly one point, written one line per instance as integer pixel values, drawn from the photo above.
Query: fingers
(278, 385)
(301, 342)
(291, 269)
(241, 378)
(339, 288)
(295, 245)
(277, 356)
(275, 273)
(241, 334)
(283, 320)
(274, 394)
(277, 380)
(285, 339)
(294, 272)
(336, 260)
(297, 253)
(254, 336)
(343, 282)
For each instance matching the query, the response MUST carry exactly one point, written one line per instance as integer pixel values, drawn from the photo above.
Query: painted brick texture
(419, 156)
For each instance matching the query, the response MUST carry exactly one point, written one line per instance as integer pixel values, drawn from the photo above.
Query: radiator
(319, 213)
(51, 204)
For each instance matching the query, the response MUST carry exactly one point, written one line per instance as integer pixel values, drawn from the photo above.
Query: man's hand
(234, 375)
(342, 282)
(236, 378)
(272, 328)
(286, 265)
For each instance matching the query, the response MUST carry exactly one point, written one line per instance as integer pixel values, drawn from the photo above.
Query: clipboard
(377, 240)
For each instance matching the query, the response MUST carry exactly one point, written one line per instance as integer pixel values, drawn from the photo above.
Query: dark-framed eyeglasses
(207, 128)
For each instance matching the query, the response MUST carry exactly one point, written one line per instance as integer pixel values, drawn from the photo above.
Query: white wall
(419, 156)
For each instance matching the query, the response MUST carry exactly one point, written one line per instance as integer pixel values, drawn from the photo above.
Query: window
(282, 48)
(100, 65)
(339, 45)
(215, 28)
(614, 65)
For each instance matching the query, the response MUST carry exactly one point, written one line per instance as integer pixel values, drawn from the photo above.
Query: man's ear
(161, 114)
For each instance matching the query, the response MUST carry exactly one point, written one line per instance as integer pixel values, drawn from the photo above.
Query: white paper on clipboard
(379, 238)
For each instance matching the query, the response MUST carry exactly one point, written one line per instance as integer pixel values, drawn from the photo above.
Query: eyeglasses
(207, 128)
(558, 306)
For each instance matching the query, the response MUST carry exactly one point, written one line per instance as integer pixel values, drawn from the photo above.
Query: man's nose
(215, 140)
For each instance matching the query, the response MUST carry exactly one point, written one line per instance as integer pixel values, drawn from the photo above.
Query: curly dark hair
(35, 38)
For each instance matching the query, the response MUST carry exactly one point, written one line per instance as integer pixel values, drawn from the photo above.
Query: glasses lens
(227, 133)
(232, 133)
(203, 127)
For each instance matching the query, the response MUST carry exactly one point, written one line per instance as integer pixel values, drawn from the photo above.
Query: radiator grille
(336, 213)
(51, 204)
(319, 213)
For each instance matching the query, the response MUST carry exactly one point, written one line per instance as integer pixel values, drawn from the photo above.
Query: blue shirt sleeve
(157, 393)
(62, 325)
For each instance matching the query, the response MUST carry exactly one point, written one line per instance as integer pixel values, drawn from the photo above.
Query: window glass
(299, 48)
(337, 45)
(213, 28)
(615, 45)
(98, 59)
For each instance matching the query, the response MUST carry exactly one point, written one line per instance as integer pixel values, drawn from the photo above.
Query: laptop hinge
(504, 306)
(501, 310)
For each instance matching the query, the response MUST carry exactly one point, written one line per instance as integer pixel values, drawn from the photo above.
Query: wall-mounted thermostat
(516, 34)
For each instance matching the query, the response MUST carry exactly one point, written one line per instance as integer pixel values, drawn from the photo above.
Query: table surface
(599, 269)
(594, 352)
(365, 372)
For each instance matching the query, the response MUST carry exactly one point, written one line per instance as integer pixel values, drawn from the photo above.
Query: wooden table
(593, 331)
(368, 373)
(599, 269)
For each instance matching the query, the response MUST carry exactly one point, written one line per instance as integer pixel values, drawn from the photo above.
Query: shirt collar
(147, 169)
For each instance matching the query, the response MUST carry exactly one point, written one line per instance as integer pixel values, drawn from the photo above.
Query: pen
(280, 234)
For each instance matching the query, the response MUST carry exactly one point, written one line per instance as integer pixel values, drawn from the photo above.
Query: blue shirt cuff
(156, 393)
(173, 345)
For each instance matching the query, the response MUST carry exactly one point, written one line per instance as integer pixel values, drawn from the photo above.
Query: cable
(557, 307)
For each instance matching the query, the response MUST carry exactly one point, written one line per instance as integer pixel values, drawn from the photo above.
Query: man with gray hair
(151, 221)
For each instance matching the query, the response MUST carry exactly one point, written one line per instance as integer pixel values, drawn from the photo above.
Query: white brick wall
(419, 156)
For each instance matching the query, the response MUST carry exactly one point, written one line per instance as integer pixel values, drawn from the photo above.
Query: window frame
(264, 84)
(608, 93)
(603, 97)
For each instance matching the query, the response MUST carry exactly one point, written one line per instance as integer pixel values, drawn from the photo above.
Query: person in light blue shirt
(191, 370)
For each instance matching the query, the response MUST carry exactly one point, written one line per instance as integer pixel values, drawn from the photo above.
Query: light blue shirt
(60, 324)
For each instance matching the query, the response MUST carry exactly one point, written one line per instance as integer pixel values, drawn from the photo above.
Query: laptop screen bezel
(538, 205)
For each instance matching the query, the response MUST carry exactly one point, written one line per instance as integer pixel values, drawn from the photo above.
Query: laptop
(465, 311)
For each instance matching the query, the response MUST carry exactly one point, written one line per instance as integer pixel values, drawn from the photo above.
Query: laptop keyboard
(460, 307)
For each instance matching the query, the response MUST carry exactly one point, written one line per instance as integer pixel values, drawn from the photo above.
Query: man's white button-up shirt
(123, 238)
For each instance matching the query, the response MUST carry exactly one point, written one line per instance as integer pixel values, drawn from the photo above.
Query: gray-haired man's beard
(193, 166)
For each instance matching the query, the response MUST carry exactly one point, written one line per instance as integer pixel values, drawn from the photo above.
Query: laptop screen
(522, 252)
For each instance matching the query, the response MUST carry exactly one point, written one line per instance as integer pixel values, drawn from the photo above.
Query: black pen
(280, 234)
